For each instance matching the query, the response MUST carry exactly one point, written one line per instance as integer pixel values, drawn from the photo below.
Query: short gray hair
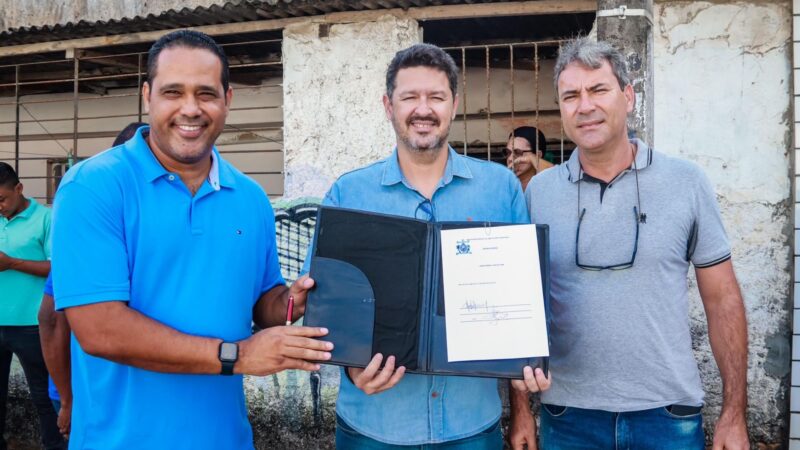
(591, 54)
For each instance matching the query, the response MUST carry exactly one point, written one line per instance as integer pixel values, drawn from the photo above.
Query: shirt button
(435, 394)
(171, 177)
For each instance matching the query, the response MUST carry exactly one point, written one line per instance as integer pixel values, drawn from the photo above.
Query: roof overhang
(239, 19)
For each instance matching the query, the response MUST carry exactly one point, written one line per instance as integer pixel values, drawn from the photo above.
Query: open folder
(379, 290)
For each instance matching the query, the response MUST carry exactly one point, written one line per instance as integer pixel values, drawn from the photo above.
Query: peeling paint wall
(334, 77)
(30, 13)
(722, 99)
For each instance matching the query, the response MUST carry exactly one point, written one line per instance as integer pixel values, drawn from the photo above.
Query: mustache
(429, 118)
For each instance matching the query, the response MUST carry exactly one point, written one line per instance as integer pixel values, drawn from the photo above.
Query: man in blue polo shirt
(163, 256)
(24, 265)
(426, 179)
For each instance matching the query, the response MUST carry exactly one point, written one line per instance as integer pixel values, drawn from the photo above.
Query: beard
(431, 143)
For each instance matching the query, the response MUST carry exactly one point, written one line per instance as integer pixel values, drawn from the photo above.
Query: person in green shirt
(24, 266)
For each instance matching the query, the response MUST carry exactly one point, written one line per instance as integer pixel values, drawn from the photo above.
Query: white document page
(493, 293)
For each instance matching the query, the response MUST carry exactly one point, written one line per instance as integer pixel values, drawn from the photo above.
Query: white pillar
(334, 77)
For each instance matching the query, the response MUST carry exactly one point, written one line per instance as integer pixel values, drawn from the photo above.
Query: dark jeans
(567, 428)
(349, 439)
(24, 342)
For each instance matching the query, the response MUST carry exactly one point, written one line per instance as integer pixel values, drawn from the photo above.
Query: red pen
(289, 308)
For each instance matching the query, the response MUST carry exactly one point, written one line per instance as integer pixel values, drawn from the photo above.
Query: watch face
(228, 351)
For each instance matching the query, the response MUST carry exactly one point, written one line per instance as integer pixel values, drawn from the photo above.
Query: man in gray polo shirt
(626, 222)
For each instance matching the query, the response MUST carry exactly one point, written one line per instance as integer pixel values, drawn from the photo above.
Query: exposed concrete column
(723, 99)
(334, 77)
(633, 34)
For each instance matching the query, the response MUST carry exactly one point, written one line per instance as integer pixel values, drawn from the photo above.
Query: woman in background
(525, 153)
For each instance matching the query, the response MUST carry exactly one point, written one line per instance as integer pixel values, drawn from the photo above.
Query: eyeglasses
(516, 151)
(620, 266)
(637, 219)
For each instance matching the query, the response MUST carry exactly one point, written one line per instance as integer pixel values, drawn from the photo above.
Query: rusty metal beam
(102, 59)
(75, 103)
(442, 12)
(16, 125)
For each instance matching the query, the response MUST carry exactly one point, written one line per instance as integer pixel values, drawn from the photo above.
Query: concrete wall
(794, 403)
(30, 13)
(333, 81)
(722, 99)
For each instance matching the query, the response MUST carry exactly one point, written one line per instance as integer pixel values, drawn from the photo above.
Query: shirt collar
(27, 212)
(456, 166)
(220, 175)
(213, 174)
(644, 157)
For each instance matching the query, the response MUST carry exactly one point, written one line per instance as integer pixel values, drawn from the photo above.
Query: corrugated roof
(228, 12)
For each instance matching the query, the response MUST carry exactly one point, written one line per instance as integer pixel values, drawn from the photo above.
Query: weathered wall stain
(334, 120)
(722, 99)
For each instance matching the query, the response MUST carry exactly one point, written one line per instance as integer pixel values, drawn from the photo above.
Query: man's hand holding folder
(279, 347)
(535, 380)
(372, 379)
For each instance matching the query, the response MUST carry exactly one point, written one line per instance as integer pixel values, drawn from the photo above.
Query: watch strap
(227, 367)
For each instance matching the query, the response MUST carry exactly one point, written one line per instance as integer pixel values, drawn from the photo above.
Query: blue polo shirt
(428, 409)
(127, 229)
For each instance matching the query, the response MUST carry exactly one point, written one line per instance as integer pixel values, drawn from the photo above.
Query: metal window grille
(294, 229)
(52, 108)
(501, 87)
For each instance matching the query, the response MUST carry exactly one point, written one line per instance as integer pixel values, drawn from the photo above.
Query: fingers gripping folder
(378, 289)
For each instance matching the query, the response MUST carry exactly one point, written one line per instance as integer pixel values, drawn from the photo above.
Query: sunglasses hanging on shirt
(638, 217)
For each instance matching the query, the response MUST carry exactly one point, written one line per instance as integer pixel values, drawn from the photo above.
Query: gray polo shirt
(620, 338)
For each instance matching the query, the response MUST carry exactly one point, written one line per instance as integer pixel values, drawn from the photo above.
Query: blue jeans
(567, 428)
(349, 439)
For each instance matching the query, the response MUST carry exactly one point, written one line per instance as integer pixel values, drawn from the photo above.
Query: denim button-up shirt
(428, 409)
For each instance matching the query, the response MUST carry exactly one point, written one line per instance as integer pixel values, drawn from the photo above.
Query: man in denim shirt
(426, 179)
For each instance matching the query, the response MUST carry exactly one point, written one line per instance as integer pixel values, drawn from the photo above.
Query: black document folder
(378, 290)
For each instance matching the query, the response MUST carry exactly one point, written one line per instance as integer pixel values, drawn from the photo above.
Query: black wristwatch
(228, 355)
